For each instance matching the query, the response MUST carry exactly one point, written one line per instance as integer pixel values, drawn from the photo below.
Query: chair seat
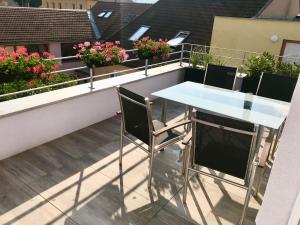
(164, 137)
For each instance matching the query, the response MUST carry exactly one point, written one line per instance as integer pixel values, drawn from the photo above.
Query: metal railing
(185, 53)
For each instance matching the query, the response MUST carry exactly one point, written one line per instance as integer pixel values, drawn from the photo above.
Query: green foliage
(202, 57)
(288, 69)
(20, 85)
(258, 64)
(267, 63)
(195, 59)
(21, 71)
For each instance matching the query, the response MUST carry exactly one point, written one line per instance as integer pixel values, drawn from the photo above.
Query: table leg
(163, 111)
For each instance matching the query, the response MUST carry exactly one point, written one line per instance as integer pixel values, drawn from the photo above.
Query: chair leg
(275, 144)
(248, 195)
(183, 161)
(150, 167)
(186, 177)
(121, 149)
(260, 178)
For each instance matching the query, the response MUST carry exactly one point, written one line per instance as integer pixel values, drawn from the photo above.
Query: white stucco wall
(55, 49)
(284, 182)
(31, 121)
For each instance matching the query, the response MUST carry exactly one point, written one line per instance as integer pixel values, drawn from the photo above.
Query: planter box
(250, 84)
(194, 75)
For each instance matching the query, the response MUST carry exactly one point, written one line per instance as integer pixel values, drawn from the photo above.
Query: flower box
(151, 49)
(101, 53)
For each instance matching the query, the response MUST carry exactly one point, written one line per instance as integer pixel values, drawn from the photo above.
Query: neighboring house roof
(37, 25)
(167, 17)
(122, 15)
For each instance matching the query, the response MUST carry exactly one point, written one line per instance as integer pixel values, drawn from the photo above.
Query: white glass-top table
(247, 107)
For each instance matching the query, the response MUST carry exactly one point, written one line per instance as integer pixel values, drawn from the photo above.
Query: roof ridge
(40, 8)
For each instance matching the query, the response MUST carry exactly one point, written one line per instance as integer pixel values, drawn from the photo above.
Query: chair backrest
(276, 87)
(136, 115)
(223, 144)
(194, 75)
(220, 76)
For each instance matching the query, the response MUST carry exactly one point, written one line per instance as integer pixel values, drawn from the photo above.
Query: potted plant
(101, 54)
(254, 67)
(20, 70)
(199, 60)
(5, 61)
(20, 65)
(149, 49)
(195, 73)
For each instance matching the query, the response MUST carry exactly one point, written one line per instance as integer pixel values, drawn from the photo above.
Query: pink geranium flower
(31, 83)
(51, 77)
(36, 69)
(87, 44)
(35, 55)
(22, 51)
(43, 75)
(55, 67)
(15, 55)
(48, 55)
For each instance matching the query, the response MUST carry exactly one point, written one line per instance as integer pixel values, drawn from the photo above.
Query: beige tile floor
(76, 179)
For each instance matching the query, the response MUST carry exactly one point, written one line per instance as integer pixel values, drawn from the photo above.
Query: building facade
(279, 37)
(68, 4)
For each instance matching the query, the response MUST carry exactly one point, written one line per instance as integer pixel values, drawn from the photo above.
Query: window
(68, 50)
(59, 5)
(101, 14)
(290, 51)
(40, 48)
(47, 4)
(179, 38)
(105, 14)
(108, 14)
(73, 6)
(53, 5)
(80, 6)
(139, 33)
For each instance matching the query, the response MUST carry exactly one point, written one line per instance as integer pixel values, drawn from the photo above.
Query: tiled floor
(76, 179)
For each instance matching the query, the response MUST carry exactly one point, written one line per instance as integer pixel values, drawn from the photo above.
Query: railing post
(91, 78)
(191, 51)
(244, 58)
(146, 66)
(181, 54)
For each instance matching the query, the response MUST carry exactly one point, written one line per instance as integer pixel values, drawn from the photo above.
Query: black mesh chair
(276, 87)
(137, 122)
(225, 145)
(220, 76)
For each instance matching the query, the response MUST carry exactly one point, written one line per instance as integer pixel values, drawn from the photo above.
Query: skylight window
(108, 14)
(101, 14)
(105, 14)
(139, 33)
(179, 38)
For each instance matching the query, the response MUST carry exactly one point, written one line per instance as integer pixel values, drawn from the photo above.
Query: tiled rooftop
(37, 25)
(76, 179)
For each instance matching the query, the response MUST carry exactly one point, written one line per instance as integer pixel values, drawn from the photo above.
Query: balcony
(60, 162)
(76, 179)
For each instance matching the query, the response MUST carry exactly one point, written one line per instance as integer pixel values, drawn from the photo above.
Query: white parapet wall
(31, 121)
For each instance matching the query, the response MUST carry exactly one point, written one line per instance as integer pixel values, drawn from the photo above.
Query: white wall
(42, 122)
(55, 49)
(284, 181)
